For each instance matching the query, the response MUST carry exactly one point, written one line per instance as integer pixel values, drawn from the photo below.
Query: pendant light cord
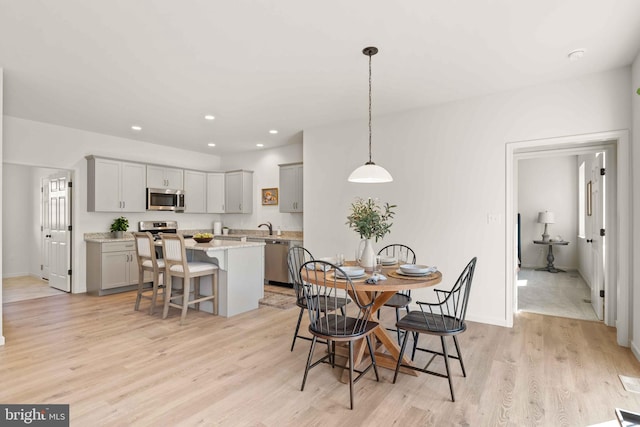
(370, 109)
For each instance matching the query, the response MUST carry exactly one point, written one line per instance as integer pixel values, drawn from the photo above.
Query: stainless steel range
(158, 227)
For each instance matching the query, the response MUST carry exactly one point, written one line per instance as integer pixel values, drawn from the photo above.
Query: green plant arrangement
(120, 224)
(370, 220)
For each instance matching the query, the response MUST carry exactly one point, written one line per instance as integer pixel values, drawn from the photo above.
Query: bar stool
(176, 264)
(147, 261)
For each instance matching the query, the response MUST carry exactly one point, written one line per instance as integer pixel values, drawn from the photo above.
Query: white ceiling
(286, 64)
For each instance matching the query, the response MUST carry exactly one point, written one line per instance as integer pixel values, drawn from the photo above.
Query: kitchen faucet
(268, 224)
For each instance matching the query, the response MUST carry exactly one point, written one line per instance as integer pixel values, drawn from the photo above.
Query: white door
(597, 241)
(59, 221)
(45, 230)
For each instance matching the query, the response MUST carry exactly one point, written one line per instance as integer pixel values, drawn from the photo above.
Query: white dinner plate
(388, 260)
(358, 276)
(414, 268)
(402, 273)
(353, 272)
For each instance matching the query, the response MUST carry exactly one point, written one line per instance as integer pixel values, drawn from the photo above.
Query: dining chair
(148, 261)
(176, 265)
(444, 318)
(402, 299)
(297, 256)
(321, 286)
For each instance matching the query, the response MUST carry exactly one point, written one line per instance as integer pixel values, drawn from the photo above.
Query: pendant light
(370, 173)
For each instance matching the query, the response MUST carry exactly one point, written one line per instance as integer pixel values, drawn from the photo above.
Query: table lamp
(545, 218)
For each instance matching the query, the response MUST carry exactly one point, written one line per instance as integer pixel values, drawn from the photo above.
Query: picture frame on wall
(270, 196)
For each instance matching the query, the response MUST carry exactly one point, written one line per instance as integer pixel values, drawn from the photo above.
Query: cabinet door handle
(240, 206)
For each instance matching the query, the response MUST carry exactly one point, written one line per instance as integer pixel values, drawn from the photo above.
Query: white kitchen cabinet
(215, 192)
(291, 187)
(112, 267)
(238, 191)
(195, 191)
(164, 177)
(115, 186)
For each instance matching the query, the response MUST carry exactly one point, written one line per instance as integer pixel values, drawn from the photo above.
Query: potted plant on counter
(370, 220)
(119, 226)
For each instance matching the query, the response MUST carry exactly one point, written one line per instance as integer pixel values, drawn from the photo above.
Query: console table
(550, 267)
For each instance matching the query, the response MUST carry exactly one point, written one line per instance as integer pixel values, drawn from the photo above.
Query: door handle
(589, 240)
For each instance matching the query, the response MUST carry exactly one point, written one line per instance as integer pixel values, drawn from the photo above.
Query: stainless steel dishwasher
(275, 261)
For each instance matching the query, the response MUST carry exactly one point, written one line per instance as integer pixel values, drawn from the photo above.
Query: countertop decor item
(370, 173)
(203, 237)
(119, 226)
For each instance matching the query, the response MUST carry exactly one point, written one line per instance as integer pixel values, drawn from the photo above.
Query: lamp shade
(546, 217)
(370, 173)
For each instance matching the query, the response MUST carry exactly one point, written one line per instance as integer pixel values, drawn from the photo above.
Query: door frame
(618, 305)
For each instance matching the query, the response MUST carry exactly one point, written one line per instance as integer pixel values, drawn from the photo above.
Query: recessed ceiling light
(273, 131)
(136, 128)
(259, 145)
(209, 117)
(211, 144)
(576, 55)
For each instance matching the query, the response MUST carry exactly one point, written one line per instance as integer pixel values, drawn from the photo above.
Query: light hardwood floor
(26, 287)
(119, 367)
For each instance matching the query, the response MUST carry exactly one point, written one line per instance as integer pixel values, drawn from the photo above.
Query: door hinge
(42, 189)
(602, 232)
(602, 293)
(41, 228)
(603, 171)
(70, 184)
(41, 267)
(69, 272)
(69, 228)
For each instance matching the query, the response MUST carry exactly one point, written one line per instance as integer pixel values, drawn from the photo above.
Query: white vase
(368, 255)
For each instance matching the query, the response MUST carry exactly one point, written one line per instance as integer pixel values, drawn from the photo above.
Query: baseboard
(488, 320)
(1, 340)
(635, 350)
(12, 275)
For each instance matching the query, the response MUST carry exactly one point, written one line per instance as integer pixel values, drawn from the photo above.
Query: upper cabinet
(195, 191)
(164, 177)
(238, 191)
(115, 186)
(215, 192)
(291, 187)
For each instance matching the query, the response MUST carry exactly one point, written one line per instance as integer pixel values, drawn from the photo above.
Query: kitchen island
(240, 275)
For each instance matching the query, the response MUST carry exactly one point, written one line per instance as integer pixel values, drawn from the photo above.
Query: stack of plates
(388, 260)
(415, 270)
(351, 272)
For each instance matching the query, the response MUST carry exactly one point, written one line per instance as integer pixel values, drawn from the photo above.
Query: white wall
(549, 183)
(18, 216)
(448, 164)
(266, 174)
(635, 149)
(1, 198)
(39, 144)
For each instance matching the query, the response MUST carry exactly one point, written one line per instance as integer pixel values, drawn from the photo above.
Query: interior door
(597, 241)
(45, 230)
(59, 223)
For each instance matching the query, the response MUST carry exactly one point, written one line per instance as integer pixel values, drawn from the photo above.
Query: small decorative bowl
(203, 239)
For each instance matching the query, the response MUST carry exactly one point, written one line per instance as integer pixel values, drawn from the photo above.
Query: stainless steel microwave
(160, 199)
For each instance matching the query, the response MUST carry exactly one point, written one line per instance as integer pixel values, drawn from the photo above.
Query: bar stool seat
(147, 261)
(176, 265)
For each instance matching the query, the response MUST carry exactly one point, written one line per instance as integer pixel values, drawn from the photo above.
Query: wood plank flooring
(119, 367)
(26, 287)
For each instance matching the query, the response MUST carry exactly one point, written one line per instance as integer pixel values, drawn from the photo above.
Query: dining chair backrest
(322, 286)
(297, 256)
(401, 252)
(144, 245)
(173, 250)
(449, 312)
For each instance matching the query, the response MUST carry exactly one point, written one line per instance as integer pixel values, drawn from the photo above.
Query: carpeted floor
(278, 297)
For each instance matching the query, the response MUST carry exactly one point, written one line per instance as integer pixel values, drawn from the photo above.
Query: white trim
(1, 339)
(570, 145)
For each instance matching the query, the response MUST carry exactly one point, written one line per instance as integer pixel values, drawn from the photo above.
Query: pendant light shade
(370, 173)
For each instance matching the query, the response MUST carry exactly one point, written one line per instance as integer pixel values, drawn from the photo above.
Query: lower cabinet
(112, 267)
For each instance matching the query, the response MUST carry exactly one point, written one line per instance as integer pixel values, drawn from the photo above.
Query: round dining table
(387, 349)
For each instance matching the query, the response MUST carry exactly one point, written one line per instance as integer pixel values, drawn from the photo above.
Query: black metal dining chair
(322, 287)
(444, 318)
(402, 299)
(297, 256)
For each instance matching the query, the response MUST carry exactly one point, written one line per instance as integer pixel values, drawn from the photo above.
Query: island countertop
(215, 244)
